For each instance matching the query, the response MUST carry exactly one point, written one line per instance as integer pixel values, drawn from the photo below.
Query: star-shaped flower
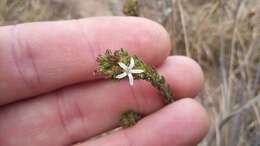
(128, 71)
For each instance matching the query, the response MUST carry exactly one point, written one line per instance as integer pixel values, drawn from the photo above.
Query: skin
(50, 96)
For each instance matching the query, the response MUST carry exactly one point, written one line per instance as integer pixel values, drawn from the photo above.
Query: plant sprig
(110, 65)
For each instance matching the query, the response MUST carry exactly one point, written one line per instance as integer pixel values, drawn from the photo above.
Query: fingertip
(194, 116)
(162, 40)
(184, 75)
(153, 36)
(182, 123)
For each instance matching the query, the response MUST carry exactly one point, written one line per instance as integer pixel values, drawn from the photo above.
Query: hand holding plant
(50, 97)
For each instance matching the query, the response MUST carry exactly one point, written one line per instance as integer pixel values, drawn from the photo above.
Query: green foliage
(131, 8)
(129, 119)
(108, 66)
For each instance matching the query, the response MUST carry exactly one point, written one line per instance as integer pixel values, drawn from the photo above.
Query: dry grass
(18, 11)
(222, 35)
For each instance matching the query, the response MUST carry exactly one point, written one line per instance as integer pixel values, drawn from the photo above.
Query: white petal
(132, 63)
(122, 75)
(136, 71)
(122, 65)
(131, 79)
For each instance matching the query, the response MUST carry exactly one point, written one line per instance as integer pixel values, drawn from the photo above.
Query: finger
(183, 123)
(80, 112)
(40, 57)
(185, 75)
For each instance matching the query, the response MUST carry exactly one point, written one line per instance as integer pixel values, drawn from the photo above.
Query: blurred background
(222, 35)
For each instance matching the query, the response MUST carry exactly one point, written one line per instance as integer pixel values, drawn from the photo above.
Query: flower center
(128, 70)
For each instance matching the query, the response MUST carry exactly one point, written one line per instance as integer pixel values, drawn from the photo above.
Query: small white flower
(128, 71)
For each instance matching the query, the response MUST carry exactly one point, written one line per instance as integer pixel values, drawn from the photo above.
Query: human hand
(50, 97)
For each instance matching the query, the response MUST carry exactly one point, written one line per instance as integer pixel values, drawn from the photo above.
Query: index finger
(40, 57)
